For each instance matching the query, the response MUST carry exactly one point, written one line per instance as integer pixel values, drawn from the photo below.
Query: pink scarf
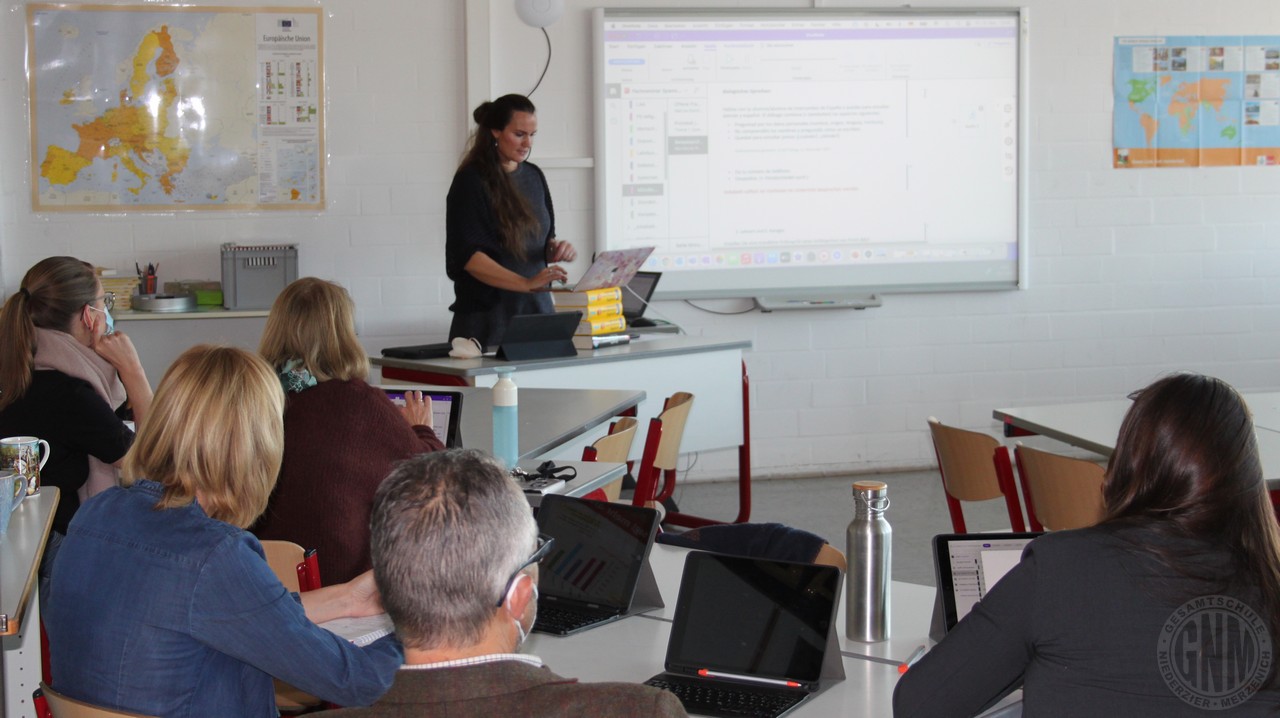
(61, 351)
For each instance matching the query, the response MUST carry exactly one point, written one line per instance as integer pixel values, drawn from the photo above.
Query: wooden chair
(299, 571)
(656, 477)
(974, 467)
(614, 447)
(61, 706)
(1060, 492)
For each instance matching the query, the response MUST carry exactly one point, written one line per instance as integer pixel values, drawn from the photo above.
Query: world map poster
(1196, 101)
(164, 108)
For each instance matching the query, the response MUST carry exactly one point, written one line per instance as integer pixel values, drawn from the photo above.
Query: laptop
(635, 298)
(752, 636)
(612, 268)
(966, 567)
(598, 572)
(446, 412)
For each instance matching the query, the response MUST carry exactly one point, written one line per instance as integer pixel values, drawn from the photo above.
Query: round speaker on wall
(539, 13)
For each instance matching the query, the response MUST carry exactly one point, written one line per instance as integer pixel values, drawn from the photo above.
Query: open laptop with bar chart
(598, 571)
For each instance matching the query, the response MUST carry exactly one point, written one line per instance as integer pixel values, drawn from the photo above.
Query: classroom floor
(824, 506)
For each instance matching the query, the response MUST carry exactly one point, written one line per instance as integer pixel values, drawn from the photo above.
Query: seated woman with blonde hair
(342, 436)
(162, 604)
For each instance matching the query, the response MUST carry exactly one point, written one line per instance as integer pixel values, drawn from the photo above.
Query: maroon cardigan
(341, 439)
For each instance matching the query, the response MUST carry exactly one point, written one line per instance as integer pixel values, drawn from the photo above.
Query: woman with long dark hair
(500, 226)
(1169, 606)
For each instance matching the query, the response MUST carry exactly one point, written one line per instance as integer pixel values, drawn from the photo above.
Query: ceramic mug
(22, 455)
(13, 489)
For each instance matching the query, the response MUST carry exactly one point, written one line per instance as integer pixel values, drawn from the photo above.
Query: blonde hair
(313, 321)
(216, 426)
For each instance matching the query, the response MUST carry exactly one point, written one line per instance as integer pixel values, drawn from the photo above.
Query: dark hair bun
(481, 112)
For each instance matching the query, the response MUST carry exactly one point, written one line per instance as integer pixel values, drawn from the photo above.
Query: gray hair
(448, 529)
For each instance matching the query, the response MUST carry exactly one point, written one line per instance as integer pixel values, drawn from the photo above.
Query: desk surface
(548, 417)
(1095, 425)
(648, 347)
(20, 549)
(634, 649)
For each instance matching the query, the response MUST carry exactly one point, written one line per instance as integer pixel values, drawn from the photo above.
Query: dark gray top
(1078, 625)
(479, 310)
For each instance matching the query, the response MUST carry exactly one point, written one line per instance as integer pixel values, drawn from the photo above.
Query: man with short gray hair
(455, 553)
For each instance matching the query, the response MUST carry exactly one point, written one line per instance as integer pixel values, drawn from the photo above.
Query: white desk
(553, 422)
(1095, 426)
(634, 649)
(591, 476)
(659, 366)
(20, 549)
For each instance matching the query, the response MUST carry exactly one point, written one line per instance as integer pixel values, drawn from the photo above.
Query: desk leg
(744, 470)
(21, 659)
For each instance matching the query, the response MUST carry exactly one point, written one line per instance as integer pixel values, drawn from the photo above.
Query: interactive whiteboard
(813, 151)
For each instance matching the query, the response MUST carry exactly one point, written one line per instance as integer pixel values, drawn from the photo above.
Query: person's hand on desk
(354, 599)
(559, 251)
(417, 409)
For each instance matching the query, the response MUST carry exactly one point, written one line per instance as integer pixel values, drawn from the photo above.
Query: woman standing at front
(500, 234)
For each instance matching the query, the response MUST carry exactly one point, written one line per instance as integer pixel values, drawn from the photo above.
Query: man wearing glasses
(455, 553)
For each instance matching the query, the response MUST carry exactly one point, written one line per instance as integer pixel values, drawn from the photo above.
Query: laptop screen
(750, 616)
(446, 413)
(635, 296)
(968, 565)
(600, 549)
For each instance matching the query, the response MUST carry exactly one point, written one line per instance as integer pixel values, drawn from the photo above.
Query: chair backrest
(1061, 492)
(283, 557)
(615, 447)
(675, 414)
(965, 460)
(64, 707)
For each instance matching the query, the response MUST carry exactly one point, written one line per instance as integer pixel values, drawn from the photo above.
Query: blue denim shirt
(171, 613)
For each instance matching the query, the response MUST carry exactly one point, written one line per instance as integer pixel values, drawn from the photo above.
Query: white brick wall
(1134, 273)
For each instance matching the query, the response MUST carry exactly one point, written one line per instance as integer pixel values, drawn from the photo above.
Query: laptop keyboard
(557, 620)
(716, 699)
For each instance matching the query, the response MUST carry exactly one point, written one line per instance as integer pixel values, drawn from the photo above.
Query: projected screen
(762, 152)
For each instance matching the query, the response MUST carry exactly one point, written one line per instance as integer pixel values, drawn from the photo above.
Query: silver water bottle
(870, 552)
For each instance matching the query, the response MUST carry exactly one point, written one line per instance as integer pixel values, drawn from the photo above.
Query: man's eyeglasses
(108, 300)
(545, 543)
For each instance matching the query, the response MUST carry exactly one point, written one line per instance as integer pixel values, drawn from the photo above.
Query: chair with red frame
(614, 447)
(299, 571)
(656, 477)
(974, 467)
(1060, 492)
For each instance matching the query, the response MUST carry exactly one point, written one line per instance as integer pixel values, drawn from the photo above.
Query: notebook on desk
(598, 572)
(752, 636)
(966, 566)
(446, 412)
